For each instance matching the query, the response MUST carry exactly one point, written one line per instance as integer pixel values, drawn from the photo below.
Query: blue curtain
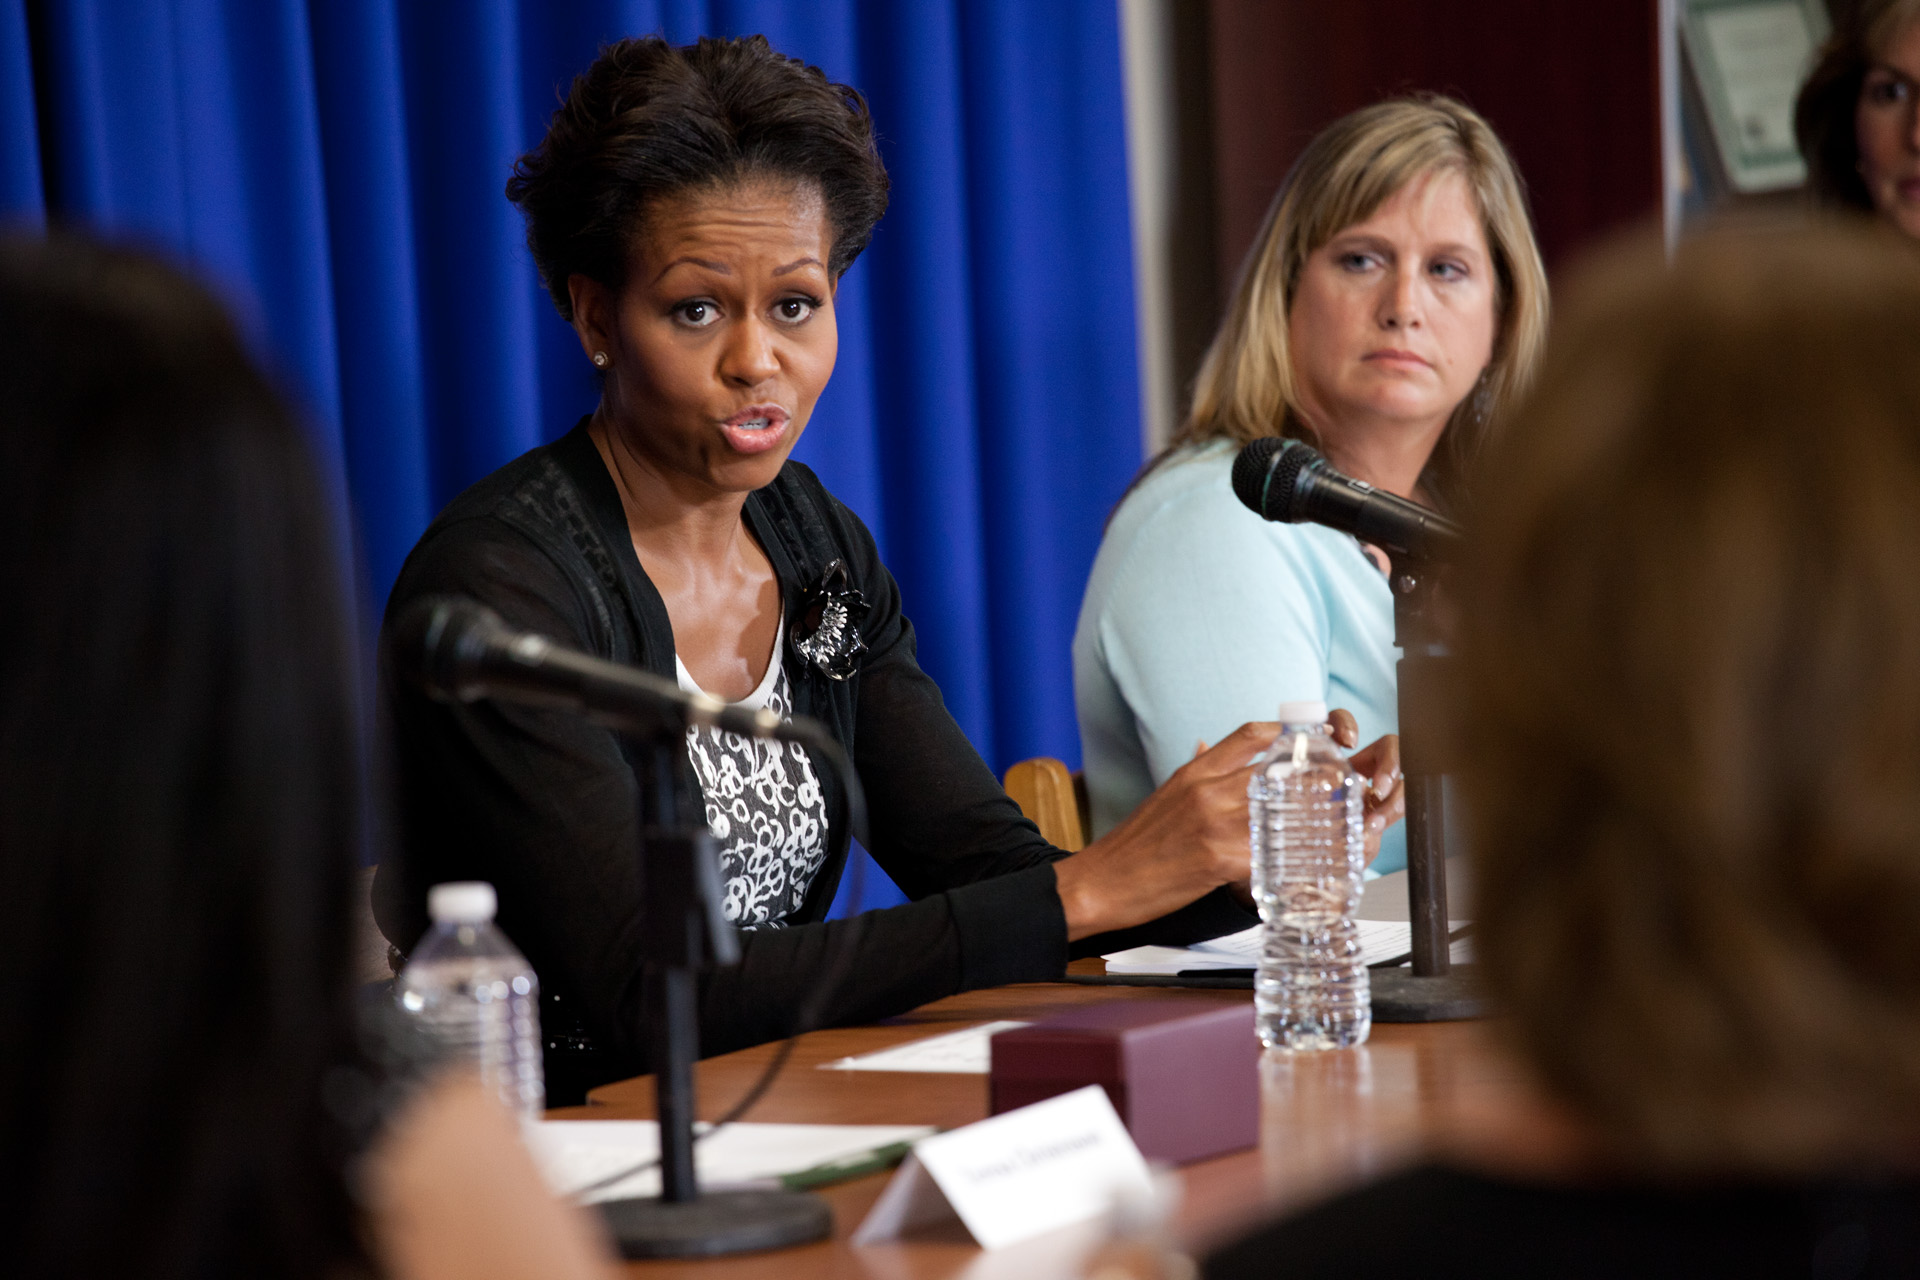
(335, 168)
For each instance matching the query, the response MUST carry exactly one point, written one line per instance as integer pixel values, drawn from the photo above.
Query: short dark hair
(1690, 656)
(1825, 112)
(649, 120)
(180, 798)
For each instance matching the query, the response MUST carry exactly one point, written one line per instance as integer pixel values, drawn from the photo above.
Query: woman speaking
(691, 211)
(1391, 306)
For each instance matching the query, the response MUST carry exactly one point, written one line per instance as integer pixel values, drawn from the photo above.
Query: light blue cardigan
(1200, 616)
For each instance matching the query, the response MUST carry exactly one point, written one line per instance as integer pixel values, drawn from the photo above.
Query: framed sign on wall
(1748, 59)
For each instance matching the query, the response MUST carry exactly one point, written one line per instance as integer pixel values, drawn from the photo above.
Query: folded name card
(1016, 1175)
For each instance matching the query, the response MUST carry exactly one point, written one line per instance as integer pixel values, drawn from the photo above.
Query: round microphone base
(719, 1222)
(1400, 995)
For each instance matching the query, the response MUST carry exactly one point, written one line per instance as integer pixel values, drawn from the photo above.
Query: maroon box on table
(1184, 1076)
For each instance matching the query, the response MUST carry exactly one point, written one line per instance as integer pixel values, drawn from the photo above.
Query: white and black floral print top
(764, 806)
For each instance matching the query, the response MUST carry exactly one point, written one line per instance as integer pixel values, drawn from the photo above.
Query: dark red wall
(1570, 85)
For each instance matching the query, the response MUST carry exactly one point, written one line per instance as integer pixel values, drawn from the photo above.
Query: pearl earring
(599, 359)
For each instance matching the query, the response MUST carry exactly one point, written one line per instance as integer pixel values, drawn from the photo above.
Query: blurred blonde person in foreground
(185, 1088)
(1691, 656)
(1390, 309)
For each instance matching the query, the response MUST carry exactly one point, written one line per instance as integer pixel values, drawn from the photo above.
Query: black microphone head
(1265, 475)
(440, 643)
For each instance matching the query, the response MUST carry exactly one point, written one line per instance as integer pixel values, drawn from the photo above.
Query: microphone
(460, 651)
(1289, 481)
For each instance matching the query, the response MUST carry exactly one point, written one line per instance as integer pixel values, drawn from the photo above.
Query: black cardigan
(543, 804)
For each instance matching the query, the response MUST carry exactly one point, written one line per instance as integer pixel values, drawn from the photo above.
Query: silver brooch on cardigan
(827, 632)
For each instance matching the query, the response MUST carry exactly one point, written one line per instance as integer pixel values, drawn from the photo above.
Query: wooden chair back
(1053, 798)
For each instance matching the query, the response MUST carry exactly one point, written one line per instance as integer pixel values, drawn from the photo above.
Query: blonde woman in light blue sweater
(1393, 304)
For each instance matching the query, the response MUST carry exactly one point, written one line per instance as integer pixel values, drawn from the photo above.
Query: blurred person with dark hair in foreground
(1691, 667)
(183, 1090)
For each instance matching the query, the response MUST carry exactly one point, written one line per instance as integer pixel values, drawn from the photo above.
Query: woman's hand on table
(1379, 762)
(1186, 839)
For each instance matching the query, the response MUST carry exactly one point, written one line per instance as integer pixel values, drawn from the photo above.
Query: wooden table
(1327, 1120)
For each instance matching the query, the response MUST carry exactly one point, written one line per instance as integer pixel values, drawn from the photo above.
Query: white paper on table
(965, 1052)
(1379, 940)
(1015, 1175)
(573, 1154)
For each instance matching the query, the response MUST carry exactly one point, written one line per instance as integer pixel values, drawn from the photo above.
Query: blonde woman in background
(1858, 116)
(1393, 304)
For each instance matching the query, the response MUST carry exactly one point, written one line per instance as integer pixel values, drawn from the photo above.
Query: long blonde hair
(1246, 387)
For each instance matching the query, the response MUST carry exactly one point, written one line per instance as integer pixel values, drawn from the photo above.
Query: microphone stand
(685, 931)
(1432, 990)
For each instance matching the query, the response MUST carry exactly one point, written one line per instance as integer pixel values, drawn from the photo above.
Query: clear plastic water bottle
(475, 997)
(1306, 806)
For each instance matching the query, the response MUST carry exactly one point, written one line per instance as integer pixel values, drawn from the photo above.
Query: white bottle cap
(1302, 713)
(462, 902)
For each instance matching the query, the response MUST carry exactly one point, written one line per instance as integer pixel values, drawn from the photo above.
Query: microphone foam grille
(1265, 483)
(1250, 471)
(1284, 488)
(439, 641)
